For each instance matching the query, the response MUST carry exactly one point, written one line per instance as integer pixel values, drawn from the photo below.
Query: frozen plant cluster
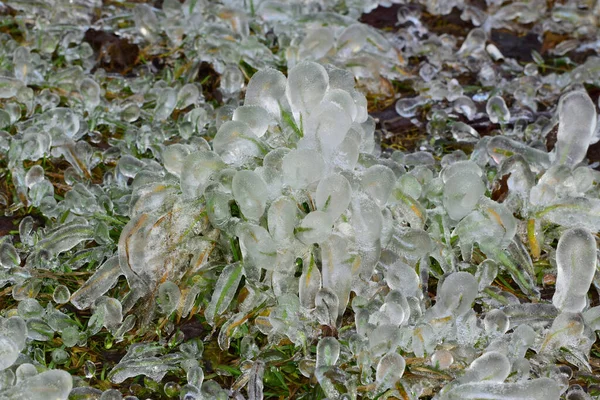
(335, 244)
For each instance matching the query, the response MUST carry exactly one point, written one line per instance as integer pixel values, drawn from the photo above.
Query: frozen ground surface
(299, 199)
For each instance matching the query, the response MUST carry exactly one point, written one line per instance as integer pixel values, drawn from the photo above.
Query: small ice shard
(52, 384)
(389, 371)
(497, 110)
(576, 264)
(577, 124)
(442, 359)
(474, 42)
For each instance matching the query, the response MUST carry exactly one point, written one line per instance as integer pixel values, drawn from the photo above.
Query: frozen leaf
(457, 293)
(9, 351)
(496, 322)
(153, 367)
(90, 92)
(282, 219)
(250, 193)
(266, 89)
(9, 258)
(577, 124)
(302, 167)
(256, 117)
(52, 384)
(389, 371)
(329, 125)
(378, 181)
(576, 264)
(9, 87)
(462, 188)
(566, 330)
(328, 352)
(497, 110)
(187, 96)
(255, 382)
(258, 248)
(61, 294)
(225, 289)
(501, 147)
(66, 238)
(333, 195)
(314, 228)
(98, 284)
(492, 366)
(197, 170)
(338, 268)
(536, 389)
(326, 307)
(306, 86)
(237, 144)
(309, 282)
(168, 297)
